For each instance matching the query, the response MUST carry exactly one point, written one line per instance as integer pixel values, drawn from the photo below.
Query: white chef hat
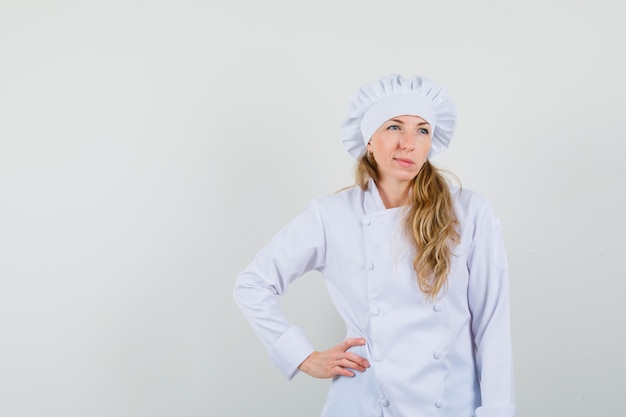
(392, 96)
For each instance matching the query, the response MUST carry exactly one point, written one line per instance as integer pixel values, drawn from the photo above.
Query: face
(400, 147)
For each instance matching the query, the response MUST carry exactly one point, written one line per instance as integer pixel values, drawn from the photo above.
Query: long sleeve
(297, 248)
(488, 296)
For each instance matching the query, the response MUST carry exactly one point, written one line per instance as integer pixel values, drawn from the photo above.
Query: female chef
(416, 267)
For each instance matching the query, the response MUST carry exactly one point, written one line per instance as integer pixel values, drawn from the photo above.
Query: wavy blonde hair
(430, 222)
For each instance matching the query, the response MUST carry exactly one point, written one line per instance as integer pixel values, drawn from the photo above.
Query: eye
(393, 127)
(424, 131)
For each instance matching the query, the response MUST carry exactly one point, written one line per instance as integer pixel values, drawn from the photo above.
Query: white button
(437, 355)
(375, 311)
(437, 307)
(370, 266)
(384, 402)
(366, 222)
(438, 403)
(378, 357)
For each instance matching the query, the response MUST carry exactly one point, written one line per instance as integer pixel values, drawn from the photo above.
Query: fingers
(346, 366)
(360, 362)
(356, 362)
(336, 361)
(352, 342)
(353, 364)
(341, 371)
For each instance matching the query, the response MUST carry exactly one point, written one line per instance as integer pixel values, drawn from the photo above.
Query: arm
(297, 248)
(488, 296)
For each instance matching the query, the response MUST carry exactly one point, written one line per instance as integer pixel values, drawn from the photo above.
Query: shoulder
(341, 200)
(469, 203)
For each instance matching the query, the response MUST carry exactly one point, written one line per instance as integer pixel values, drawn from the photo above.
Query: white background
(148, 149)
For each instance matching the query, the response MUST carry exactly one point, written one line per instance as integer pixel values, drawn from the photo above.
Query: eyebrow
(401, 122)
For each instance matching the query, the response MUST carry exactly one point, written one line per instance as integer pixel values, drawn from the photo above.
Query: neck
(393, 194)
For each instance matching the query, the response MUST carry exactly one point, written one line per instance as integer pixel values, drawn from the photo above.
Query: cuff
(290, 350)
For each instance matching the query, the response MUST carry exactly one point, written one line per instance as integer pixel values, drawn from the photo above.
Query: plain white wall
(148, 149)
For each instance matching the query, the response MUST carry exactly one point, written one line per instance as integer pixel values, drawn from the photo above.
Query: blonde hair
(430, 222)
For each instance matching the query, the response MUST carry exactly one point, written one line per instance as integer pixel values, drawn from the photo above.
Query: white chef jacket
(449, 357)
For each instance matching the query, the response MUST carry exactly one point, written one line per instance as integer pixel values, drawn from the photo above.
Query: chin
(407, 176)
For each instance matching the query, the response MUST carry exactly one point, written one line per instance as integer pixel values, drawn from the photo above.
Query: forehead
(408, 119)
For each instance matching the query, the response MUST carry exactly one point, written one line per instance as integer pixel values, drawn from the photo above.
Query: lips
(405, 163)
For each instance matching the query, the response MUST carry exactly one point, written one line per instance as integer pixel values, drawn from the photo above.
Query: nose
(407, 141)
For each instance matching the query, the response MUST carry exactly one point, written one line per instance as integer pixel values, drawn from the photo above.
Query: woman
(415, 267)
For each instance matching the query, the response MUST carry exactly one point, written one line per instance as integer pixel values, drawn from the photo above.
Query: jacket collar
(372, 202)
